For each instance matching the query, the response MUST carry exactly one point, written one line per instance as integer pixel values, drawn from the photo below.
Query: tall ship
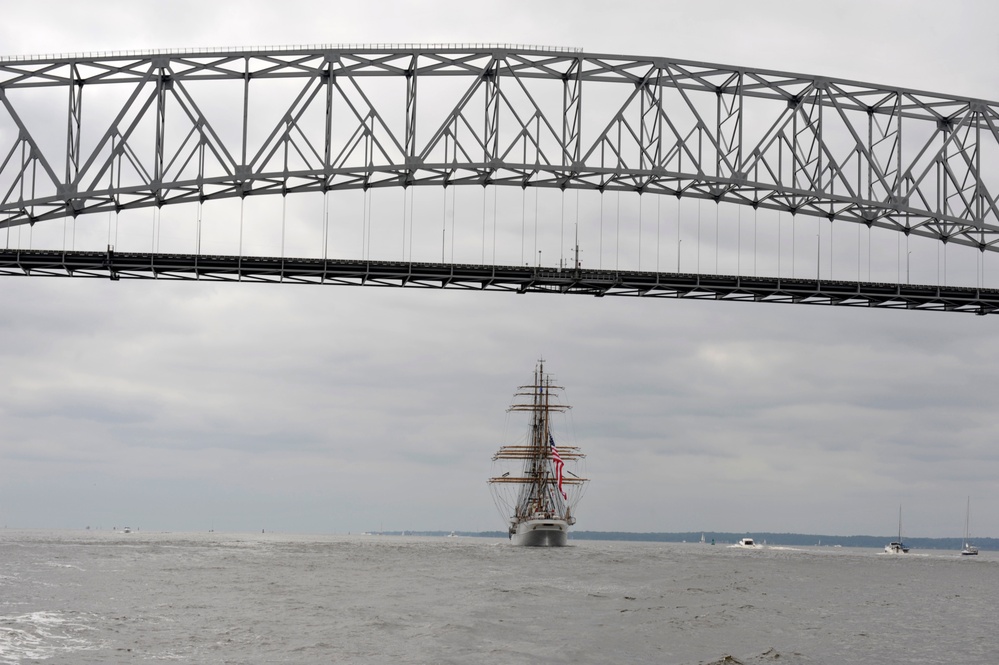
(542, 485)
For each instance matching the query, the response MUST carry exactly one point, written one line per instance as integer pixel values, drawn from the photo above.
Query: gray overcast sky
(239, 407)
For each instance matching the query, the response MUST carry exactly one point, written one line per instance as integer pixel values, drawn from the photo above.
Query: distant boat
(748, 543)
(702, 539)
(968, 549)
(127, 529)
(897, 546)
(540, 498)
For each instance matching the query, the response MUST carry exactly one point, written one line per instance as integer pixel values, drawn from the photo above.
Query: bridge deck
(520, 279)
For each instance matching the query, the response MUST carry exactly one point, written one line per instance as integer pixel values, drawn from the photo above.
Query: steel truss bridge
(102, 134)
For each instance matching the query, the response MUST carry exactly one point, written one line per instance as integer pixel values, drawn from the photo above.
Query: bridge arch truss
(113, 132)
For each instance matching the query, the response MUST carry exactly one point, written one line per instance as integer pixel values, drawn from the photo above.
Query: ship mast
(539, 493)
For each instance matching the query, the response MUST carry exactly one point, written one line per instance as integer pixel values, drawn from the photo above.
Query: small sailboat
(967, 549)
(897, 546)
(540, 498)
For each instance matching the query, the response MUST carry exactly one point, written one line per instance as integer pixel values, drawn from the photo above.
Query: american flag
(557, 461)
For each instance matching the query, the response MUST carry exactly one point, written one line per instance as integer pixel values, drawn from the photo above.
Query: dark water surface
(106, 597)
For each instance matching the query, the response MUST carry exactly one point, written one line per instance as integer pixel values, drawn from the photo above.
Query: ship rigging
(540, 497)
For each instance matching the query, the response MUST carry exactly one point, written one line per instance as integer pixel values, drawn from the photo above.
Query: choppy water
(104, 597)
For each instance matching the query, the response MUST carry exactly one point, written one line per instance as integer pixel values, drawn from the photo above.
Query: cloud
(186, 405)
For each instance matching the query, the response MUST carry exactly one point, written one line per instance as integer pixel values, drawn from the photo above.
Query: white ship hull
(540, 533)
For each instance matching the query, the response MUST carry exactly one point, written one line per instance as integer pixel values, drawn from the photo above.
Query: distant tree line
(793, 539)
(727, 538)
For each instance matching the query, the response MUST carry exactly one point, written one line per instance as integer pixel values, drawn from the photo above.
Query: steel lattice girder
(333, 117)
(515, 279)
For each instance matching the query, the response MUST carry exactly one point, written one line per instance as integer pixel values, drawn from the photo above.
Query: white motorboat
(747, 543)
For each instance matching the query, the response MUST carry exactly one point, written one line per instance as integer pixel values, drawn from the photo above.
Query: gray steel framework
(517, 279)
(338, 117)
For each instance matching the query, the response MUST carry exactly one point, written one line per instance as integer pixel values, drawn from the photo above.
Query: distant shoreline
(716, 537)
(727, 538)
